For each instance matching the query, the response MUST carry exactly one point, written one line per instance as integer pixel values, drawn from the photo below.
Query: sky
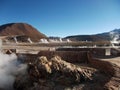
(63, 17)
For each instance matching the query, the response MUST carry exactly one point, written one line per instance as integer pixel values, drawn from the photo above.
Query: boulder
(47, 74)
(60, 70)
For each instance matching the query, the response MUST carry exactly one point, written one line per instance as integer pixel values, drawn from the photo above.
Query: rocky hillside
(21, 31)
(112, 35)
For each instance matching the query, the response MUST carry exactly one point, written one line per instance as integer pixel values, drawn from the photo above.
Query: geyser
(9, 69)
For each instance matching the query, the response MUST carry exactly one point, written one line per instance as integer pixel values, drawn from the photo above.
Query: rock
(60, 70)
(68, 70)
(47, 74)
(22, 82)
(8, 52)
(33, 72)
(43, 66)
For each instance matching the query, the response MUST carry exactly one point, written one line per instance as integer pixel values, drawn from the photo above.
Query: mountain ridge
(106, 36)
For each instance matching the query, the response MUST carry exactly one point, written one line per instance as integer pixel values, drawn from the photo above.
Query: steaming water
(29, 40)
(44, 41)
(68, 40)
(15, 40)
(60, 40)
(114, 38)
(9, 68)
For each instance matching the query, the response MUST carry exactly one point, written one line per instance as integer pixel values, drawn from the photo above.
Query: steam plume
(9, 68)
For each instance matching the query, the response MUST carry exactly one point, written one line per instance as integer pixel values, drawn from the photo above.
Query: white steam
(114, 38)
(15, 40)
(29, 40)
(9, 68)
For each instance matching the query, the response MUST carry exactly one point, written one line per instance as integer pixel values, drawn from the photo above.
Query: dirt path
(115, 60)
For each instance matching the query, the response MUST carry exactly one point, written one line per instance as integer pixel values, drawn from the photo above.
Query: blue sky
(63, 17)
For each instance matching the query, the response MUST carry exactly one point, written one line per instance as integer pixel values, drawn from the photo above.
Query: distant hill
(108, 36)
(21, 31)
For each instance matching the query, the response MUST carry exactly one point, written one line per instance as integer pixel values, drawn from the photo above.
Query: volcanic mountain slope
(21, 30)
(112, 35)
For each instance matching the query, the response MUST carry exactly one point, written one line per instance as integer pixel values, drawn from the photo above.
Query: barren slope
(21, 29)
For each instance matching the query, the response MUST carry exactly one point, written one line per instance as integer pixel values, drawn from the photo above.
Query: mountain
(108, 36)
(20, 31)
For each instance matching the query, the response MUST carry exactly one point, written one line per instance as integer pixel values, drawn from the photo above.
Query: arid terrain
(63, 68)
(32, 61)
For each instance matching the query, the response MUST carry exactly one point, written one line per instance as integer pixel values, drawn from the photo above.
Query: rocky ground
(57, 74)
